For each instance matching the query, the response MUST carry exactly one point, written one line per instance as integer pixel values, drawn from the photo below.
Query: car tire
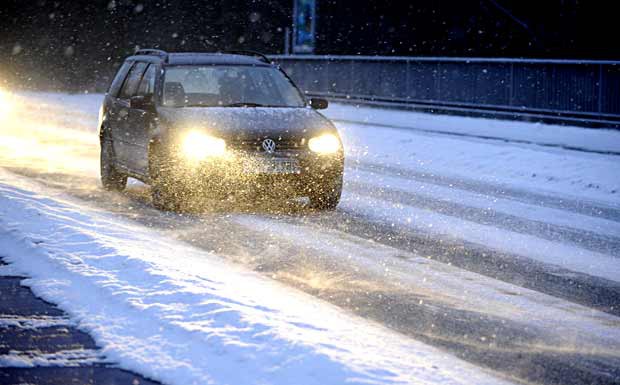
(111, 178)
(326, 197)
(164, 191)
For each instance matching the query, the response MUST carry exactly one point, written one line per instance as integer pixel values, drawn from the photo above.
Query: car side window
(147, 84)
(118, 79)
(133, 79)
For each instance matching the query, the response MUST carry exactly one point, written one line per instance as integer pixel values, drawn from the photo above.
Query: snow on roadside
(552, 171)
(184, 316)
(79, 111)
(591, 177)
(604, 140)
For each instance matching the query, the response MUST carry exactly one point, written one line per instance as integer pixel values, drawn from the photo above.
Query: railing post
(352, 78)
(511, 85)
(600, 88)
(327, 77)
(407, 79)
(438, 82)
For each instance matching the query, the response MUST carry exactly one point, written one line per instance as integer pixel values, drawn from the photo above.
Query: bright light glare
(6, 105)
(198, 146)
(324, 144)
(51, 138)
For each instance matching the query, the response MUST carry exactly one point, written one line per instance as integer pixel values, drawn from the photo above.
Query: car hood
(248, 122)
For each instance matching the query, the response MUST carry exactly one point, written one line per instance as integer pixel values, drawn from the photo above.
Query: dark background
(76, 45)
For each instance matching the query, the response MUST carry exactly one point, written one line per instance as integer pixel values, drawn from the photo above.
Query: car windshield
(228, 86)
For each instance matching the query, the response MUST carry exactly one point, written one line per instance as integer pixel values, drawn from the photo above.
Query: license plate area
(271, 166)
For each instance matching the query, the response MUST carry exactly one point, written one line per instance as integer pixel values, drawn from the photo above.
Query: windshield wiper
(225, 105)
(238, 104)
(244, 104)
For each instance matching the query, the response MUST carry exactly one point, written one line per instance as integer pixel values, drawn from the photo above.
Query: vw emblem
(269, 146)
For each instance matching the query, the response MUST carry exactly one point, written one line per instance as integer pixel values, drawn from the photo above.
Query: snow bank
(184, 316)
(554, 171)
(601, 140)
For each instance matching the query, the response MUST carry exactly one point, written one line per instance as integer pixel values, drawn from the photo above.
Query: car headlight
(199, 146)
(324, 144)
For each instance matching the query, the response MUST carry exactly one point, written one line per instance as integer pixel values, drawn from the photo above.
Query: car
(216, 125)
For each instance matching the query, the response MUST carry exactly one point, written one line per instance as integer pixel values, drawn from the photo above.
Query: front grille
(256, 145)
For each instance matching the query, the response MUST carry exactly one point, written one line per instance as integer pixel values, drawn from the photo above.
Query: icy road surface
(503, 252)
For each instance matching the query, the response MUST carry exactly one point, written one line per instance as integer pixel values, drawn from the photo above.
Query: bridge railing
(586, 91)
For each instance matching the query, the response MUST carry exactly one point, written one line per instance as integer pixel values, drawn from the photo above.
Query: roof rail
(151, 51)
(246, 52)
(164, 54)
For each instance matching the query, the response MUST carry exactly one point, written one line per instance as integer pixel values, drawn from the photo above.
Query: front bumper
(245, 172)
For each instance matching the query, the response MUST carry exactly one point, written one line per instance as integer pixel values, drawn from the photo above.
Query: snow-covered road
(502, 252)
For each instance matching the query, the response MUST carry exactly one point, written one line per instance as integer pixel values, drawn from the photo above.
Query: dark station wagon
(216, 125)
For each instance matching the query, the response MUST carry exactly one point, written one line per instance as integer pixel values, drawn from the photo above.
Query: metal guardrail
(580, 91)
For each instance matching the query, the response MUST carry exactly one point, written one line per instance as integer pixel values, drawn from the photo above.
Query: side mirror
(141, 102)
(318, 103)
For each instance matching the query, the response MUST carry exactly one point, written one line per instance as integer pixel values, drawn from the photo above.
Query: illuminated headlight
(199, 146)
(324, 144)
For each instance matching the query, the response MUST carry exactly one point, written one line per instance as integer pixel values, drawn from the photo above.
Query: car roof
(197, 58)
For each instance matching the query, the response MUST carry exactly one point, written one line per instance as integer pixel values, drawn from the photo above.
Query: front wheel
(111, 178)
(325, 196)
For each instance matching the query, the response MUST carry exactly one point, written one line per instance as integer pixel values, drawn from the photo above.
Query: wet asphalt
(21, 337)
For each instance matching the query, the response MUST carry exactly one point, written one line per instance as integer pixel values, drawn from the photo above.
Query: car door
(141, 122)
(112, 119)
(121, 135)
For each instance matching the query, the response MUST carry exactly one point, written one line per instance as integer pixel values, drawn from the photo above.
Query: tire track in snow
(593, 209)
(582, 238)
(598, 293)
